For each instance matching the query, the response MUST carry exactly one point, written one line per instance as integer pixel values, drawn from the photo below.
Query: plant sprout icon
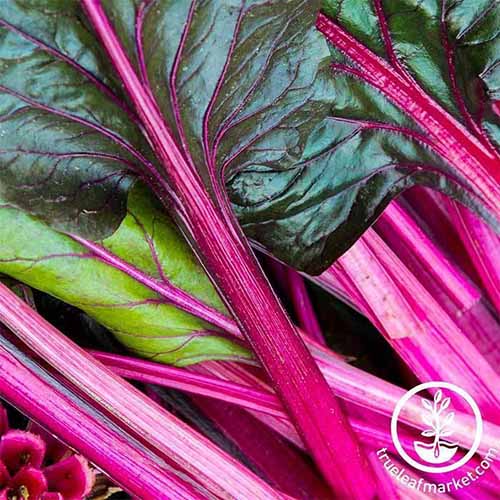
(440, 450)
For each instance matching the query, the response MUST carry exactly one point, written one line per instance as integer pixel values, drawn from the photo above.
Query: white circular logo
(435, 451)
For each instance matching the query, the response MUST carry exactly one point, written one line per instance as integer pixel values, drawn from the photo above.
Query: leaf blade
(398, 149)
(138, 317)
(68, 143)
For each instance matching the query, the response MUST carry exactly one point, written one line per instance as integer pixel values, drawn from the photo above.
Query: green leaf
(140, 319)
(236, 79)
(457, 59)
(309, 156)
(239, 83)
(311, 208)
(246, 88)
(68, 144)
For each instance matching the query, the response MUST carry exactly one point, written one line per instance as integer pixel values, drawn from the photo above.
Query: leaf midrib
(449, 138)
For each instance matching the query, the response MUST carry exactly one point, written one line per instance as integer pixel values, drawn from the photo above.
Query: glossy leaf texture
(371, 148)
(140, 318)
(450, 47)
(310, 157)
(68, 143)
(244, 85)
(71, 145)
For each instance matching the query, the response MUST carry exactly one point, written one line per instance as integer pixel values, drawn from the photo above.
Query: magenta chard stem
(282, 464)
(448, 137)
(483, 246)
(231, 383)
(247, 293)
(303, 306)
(163, 433)
(181, 379)
(126, 461)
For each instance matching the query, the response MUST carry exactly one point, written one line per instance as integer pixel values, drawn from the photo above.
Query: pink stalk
(353, 386)
(233, 383)
(293, 285)
(384, 301)
(370, 396)
(417, 327)
(195, 383)
(447, 137)
(348, 382)
(449, 353)
(303, 306)
(445, 229)
(247, 392)
(374, 432)
(382, 397)
(401, 232)
(123, 459)
(482, 245)
(440, 226)
(282, 465)
(458, 297)
(236, 273)
(387, 487)
(165, 434)
(336, 281)
(231, 386)
(478, 324)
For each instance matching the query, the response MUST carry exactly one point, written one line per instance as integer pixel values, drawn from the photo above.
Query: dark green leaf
(67, 142)
(311, 208)
(310, 157)
(246, 88)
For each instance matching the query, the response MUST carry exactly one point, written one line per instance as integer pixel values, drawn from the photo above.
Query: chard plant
(148, 148)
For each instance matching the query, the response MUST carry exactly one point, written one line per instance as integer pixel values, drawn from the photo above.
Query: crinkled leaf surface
(234, 80)
(142, 320)
(240, 83)
(309, 159)
(311, 210)
(67, 142)
(450, 47)
(246, 86)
